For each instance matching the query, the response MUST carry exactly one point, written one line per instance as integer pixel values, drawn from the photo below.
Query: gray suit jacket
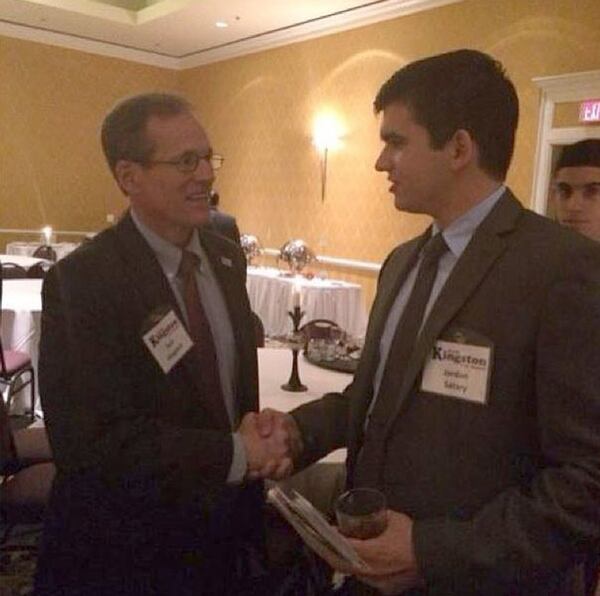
(505, 495)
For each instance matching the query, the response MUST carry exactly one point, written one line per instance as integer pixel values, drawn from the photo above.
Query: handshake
(272, 441)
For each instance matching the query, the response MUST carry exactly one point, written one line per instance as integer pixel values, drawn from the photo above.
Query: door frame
(572, 87)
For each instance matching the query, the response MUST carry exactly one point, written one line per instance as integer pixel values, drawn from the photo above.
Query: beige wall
(259, 111)
(51, 104)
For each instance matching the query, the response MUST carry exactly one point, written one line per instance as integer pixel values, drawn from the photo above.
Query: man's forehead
(579, 174)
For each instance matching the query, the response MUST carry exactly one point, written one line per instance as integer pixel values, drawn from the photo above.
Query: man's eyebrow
(388, 136)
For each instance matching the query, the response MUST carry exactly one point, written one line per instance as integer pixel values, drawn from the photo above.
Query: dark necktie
(403, 343)
(200, 332)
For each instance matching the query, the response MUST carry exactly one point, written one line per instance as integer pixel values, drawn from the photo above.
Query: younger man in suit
(475, 406)
(576, 188)
(147, 368)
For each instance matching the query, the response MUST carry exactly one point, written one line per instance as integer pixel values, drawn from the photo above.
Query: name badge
(458, 370)
(168, 341)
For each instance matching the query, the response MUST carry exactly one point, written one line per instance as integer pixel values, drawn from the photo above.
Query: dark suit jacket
(224, 224)
(505, 495)
(142, 456)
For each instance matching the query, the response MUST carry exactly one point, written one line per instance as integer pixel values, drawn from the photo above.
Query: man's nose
(381, 163)
(204, 171)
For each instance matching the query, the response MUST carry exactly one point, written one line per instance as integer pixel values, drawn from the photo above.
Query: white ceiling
(183, 33)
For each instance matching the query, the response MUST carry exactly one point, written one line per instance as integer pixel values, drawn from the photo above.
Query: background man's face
(171, 202)
(576, 196)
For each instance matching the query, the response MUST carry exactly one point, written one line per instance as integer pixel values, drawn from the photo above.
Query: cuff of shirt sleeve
(239, 464)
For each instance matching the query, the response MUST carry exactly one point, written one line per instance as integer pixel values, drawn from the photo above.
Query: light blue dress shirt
(169, 259)
(457, 236)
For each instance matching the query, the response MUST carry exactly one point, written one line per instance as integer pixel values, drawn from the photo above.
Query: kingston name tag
(458, 370)
(168, 341)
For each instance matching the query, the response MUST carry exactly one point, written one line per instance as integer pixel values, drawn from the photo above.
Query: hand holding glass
(361, 513)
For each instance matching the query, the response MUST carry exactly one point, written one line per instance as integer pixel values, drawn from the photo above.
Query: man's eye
(189, 159)
(563, 191)
(591, 191)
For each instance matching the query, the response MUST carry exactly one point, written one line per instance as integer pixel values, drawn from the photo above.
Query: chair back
(8, 452)
(320, 329)
(13, 271)
(38, 270)
(45, 252)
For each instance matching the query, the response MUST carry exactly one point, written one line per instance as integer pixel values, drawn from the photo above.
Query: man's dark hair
(464, 89)
(580, 154)
(124, 128)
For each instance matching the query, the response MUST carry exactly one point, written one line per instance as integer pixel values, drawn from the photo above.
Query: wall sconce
(327, 133)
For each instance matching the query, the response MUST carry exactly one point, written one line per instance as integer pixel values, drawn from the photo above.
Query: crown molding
(82, 44)
(370, 13)
(569, 87)
(351, 19)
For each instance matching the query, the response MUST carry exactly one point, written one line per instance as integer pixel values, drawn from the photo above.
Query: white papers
(313, 527)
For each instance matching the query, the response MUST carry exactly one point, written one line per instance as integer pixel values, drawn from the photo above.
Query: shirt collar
(168, 255)
(458, 234)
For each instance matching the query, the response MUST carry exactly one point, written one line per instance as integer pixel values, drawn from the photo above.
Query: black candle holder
(294, 383)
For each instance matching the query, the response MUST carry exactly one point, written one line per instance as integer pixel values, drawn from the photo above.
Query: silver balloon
(251, 246)
(296, 254)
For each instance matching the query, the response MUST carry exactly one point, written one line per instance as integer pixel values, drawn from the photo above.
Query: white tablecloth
(28, 248)
(274, 367)
(23, 261)
(270, 296)
(21, 324)
(322, 482)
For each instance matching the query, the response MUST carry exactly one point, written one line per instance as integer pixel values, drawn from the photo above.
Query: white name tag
(458, 370)
(168, 341)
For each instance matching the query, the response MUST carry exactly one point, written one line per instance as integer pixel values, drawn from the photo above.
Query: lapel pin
(226, 261)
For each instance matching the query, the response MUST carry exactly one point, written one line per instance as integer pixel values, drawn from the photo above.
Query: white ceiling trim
(350, 19)
(82, 44)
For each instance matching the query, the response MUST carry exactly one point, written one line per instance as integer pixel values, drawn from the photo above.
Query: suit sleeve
(96, 415)
(527, 530)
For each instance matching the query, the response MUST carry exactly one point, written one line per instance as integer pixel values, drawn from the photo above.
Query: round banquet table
(22, 260)
(21, 324)
(270, 292)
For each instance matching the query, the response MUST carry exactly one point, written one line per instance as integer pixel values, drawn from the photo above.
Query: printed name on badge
(168, 341)
(458, 370)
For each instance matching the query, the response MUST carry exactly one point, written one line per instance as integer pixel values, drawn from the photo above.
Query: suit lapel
(149, 281)
(393, 276)
(486, 246)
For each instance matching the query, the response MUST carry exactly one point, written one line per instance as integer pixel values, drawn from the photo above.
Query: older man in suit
(147, 367)
(475, 407)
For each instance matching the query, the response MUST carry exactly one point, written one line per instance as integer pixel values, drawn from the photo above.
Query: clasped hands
(272, 441)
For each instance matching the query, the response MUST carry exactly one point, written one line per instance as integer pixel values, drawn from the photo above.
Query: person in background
(576, 188)
(475, 406)
(222, 223)
(148, 380)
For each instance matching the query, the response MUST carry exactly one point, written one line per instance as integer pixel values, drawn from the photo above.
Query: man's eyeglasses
(188, 161)
(564, 191)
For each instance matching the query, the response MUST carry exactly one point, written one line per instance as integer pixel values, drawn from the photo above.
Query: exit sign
(589, 111)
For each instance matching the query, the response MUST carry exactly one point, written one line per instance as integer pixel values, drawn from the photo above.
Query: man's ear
(127, 176)
(463, 149)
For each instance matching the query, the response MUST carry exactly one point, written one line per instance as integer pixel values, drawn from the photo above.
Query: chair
(320, 329)
(39, 270)
(25, 489)
(13, 271)
(45, 252)
(14, 366)
(259, 331)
